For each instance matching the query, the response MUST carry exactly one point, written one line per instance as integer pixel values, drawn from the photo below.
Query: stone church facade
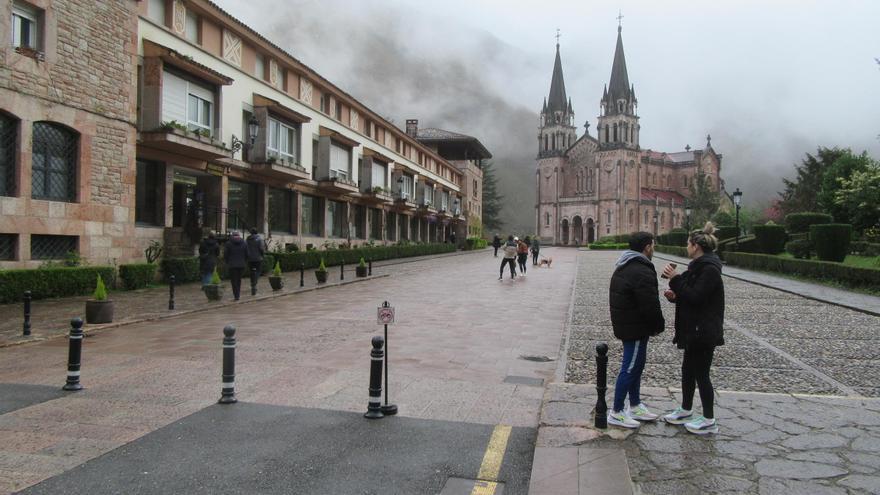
(606, 184)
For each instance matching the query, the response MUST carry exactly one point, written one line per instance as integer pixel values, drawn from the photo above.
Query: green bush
(137, 276)
(673, 239)
(614, 239)
(605, 246)
(725, 232)
(800, 222)
(771, 238)
(215, 277)
(52, 282)
(747, 244)
(674, 250)
(472, 243)
(831, 240)
(311, 259)
(799, 248)
(100, 293)
(863, 248)
(183, 269)
(849, 276)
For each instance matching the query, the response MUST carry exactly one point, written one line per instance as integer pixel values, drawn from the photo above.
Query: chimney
(412, 127)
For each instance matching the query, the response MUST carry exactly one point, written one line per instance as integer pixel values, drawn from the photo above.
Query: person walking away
(209, 251)
(509, 254)
(235, 255)
(522, 254)
(698, 294)
(452, 238)
(256, 249)
(536, 248)
(635, 316)
(496, 243)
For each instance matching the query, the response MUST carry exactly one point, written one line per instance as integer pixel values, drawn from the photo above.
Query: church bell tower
(556, 132)
(618, 121)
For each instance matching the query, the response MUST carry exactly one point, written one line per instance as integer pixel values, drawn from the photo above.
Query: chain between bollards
(342, 270)
(26, 326)
(302, 271)
(74, 356)
(374, 408)
(227, 395)
(601, 418)
(172, 280)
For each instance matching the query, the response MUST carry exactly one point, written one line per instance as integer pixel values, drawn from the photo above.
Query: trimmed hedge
(799, 248)
(183, 269)
(771, 238)
(831, 240)
(747, 244)
(725, 232)
(673, 239)
(53, 282)
(137, 276)
(800, 222)
(821, 270)
(614, 239)
(674, 250)
(311, 259)
(863, 248)
(605, 246)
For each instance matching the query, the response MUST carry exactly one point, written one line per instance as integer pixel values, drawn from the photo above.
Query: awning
(279, 109)
(184, 63)
(337, 136)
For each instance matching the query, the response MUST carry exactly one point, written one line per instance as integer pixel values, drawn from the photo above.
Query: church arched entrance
(565, 232)
(591, 231)
(577, 229)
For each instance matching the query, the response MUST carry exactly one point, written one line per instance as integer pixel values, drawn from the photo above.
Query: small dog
(545, 262)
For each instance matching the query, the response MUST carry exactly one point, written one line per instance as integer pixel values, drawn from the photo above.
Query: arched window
(654, 178)
(615, 132)
(668, 181)
(54, 165)
(8, 135)
(546, 143)
(606, 133)
(608, 213)
(553, 141)
(662, 218)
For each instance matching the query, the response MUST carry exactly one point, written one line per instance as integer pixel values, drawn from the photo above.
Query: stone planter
(213, 292)
(99, 311)
(277, 283)
(321, 276)
(360, 271)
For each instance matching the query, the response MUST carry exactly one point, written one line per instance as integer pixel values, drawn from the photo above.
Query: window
(654, 178)
(428, 195)
(608, 213)
(54, 166)
(444, 200)
(547, 219)
(338, 111)
(630, 216)
(281, 211)
(360, 221)
(8, 137)
(475, 188)
(407, 187)
(283, 141)
(312, 215)
(7, 246)
(188, 102)
(25, 26)
(379, 175)
(156, 11)
(646, 217)
(242, 199)
(376, 223)
(52, 247)
(336, 218)
(259, 66)
(149, 196)
(192, 26)
(340, 161)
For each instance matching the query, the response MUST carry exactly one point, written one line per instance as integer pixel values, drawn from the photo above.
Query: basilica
(606, 184)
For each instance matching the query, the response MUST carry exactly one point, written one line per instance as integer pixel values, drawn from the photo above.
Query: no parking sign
(385, 315)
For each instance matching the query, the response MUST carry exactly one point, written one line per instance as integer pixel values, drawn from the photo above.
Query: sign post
(385, 316)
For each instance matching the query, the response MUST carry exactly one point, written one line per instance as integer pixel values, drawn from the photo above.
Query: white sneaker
(679, 416)
(702, 426)
(622, 419)
(641, 413)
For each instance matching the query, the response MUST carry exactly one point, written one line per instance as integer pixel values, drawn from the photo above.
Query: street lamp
(656, 217)
(687, 216)
(253, 129)
(737, 199)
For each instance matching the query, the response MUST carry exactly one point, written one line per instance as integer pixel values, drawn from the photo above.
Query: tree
(859, 197)
(704, 199)
(840, 170)
(802, 193)
(491, 199)
(723, 218)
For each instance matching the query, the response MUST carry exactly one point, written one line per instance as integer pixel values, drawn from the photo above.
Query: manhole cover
(461, 486)
(537, 359)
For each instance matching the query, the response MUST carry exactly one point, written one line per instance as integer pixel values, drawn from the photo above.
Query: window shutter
(173, 98)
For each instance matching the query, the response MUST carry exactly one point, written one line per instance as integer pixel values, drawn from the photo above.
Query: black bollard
(26, 327)
(370, 269)
(601, 418)
(74, 356)
(342, 270)
(253, 281)
(302, 271)
(171, 281)
(374, 409)
(228, 394)
(387, 409)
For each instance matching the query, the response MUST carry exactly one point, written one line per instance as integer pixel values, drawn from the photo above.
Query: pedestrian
(452, 238)
(209, 251)
(256, 249)
(496, 243)
(536, 248)
(522, 255)
(635, 316)
(698, 294)
(509, 254)
(235, 255)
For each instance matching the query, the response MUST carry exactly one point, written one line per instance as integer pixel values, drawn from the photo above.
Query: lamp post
(656, 219)
(687, 216)
(253, 129)
(737, 199)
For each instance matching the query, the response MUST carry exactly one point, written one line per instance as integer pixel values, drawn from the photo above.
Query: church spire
(618, 122)
(557, 132)
(619, 86)
(557, 100)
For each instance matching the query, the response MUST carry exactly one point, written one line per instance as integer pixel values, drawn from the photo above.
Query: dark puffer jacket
(235, 253)
(699, 303)
(634, 300)
(209, 251)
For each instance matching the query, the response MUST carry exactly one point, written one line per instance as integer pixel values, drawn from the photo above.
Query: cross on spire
(619, 19)
(557, 36)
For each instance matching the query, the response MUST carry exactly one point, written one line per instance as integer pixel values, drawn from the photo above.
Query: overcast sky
(769, 80)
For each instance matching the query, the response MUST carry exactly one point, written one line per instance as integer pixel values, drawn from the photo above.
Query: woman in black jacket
(698, 294)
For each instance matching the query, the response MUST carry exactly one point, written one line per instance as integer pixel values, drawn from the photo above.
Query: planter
(360, 271)
(277, 283)
(321, 276)
(99, 311)
(213, 292)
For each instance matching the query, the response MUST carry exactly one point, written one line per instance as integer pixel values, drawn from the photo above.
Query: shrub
(674, 250)
(850, 276)
(183, 269)
(268, 263)
(599, 246)
(611, 239)
(322, 267)
(863, 248)
(673, 239)
(725, 232)
(52, 282)
(100, 293)
(362, 263)
(831, 240)
(312, 258)
(771, 238)
(799, 248)
(472, 243)
(137, 276)
(276, 271)
(800, 222)
(747, 244)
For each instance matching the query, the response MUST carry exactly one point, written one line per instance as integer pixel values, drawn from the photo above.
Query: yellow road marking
(492, 459)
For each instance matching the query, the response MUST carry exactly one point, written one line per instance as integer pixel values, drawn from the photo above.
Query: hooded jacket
(699, 303)
(634, 299)
(510, 250)
(256, 248)
(209, 251)
(235, 253)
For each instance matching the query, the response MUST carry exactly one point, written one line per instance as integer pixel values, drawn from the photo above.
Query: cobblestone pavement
(465, 347)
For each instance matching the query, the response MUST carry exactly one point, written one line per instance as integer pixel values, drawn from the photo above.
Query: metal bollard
(228, 394)
(342, 270)
(601, 418)
(26, 327)
(374, 409)
(370, 269)
(74, 356)
(302, 271)
(253, 281)
(171, 281)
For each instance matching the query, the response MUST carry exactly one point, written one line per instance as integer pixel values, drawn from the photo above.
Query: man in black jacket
(635, 316)
(235, 255)
(256, 249)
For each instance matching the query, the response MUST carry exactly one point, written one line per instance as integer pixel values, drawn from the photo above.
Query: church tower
(556, 131)
(618, 122)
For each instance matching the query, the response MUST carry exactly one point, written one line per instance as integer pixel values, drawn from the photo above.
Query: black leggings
(534, 257)
(695, 372)
(505, 261)
(521, 259)
(235, 279)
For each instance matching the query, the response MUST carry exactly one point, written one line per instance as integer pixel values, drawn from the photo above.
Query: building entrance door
(185, 198)
(565, 232)
(591, 231)
(578, 230)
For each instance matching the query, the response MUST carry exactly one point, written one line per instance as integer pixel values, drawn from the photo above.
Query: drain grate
(537, 359)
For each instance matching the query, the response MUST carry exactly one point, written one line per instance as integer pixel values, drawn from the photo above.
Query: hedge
(799, 248)
(800, 222)
(137, 276)
(673, 239)
(53, 282)
(747, 244)
(863, 248)
(771, 238)
(831, 240)
(674, 250)
(725, 232)
(614, 239)
(472, 243)
(311, 259)
(603, 246)
(183, 269)
(821, 270)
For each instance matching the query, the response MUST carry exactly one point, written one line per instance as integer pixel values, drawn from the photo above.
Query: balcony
(377, 196)
(282, 169)
(426, 208)
(403, 202)
(338, 182)
(174, 138)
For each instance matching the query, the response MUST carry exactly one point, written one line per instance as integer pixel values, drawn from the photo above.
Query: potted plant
(321, 272)
(275, 279)
(361, 269)
(99, 309)
(214, 291)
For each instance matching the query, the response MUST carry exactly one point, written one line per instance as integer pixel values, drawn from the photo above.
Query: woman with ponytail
(698, 294)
